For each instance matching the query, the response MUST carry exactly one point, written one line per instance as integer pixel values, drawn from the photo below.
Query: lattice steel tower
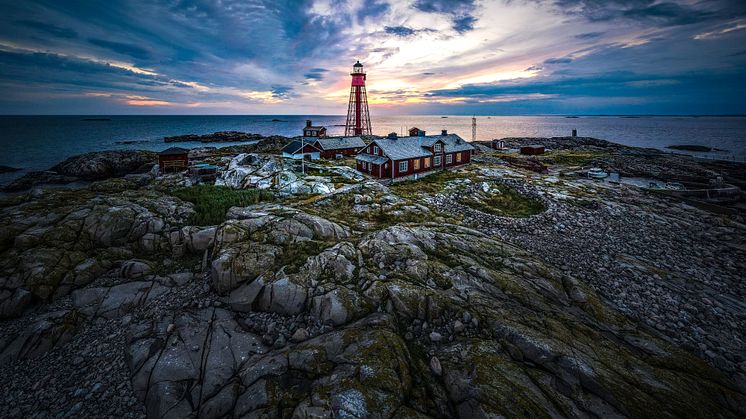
(358, 117)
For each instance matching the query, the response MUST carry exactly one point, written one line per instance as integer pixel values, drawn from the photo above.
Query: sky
(436, 57)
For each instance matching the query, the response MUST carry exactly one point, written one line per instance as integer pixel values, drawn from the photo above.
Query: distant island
(8, 169)
(216, 137)
(96, 119)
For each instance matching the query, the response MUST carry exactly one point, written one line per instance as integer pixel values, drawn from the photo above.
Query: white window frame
(437, 147)
(403, 165)
(365, 165)
(375, 150)
(436, 161)
(449, 158)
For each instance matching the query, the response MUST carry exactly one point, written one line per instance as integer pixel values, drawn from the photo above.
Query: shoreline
(205, 141)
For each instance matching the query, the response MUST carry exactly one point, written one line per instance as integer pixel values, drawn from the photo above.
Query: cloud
(133, 51)
(461, 11)
(589, 35)
(563, 60)
(49, 28)
(736, 26)
(664, 13)
(402, 31)
(374, 8)
(444, 6)
(464, 23)
(282, 92)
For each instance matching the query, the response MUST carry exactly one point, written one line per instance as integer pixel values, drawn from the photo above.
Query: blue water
(38, 142)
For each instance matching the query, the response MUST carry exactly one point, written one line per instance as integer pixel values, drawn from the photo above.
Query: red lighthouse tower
(358, 118)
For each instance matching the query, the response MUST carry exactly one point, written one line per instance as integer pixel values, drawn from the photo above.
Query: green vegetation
(572, 158)
(507, 202)
(430, 184)
(212, 202)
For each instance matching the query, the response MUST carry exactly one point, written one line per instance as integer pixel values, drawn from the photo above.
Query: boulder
(105, 164)
(135, 269)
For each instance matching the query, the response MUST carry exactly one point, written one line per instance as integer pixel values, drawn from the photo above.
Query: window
(427, 162)
(437, 160)
(449, 158)
(437, 148)
(416, 164)
(458, 157)
(375, 150)
(403, 166)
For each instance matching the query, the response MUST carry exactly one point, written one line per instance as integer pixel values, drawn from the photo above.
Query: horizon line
(386, 115)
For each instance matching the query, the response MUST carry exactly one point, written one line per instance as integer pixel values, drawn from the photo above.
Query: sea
(39, 142)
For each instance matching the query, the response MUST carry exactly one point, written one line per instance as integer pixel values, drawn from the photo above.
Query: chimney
(392, 136)
(444, 132)
(308, 123)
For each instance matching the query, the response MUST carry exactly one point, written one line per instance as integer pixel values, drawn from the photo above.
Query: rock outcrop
(414, 300)
(98, 165)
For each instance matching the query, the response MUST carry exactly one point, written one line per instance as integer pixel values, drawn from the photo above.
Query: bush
(212, 202)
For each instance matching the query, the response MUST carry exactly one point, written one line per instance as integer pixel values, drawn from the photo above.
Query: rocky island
(512, 287)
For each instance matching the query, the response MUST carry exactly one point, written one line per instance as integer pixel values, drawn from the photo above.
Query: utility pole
(302, 156)
(474, 128)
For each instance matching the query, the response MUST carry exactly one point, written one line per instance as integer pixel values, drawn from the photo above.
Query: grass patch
(430, 184)
(507, 203)
(572, 158)
(212, 202)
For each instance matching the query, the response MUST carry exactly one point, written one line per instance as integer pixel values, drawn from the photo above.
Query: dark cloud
(461, 11)
(444, 6)
(464, 23)
(49, 28)
(282, 92)
(589, 35)
(615, 85)
(373, 8)
(133, 51)
(563, 60)
(402, 31)
(649, 11)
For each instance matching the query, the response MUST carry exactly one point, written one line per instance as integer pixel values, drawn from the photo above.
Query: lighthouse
(358, 117)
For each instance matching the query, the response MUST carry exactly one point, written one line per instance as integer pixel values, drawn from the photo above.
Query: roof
(339, 143)
(357, 64)
(311, 127)
(173, 151)
(295, 146)
(371, 158)
(414, 146)
(533, 146)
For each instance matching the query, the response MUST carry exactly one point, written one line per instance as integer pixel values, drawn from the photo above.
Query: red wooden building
(173, 159)
(333, 147)
(532, 150)
(313, 131)
(396, 157)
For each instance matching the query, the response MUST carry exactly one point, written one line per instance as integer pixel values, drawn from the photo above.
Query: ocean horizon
(38, 142)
